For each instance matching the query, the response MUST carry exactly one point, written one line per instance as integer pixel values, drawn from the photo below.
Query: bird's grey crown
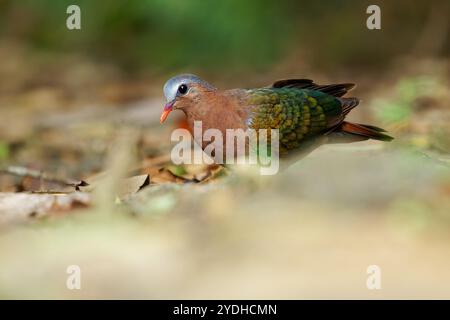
(171, 86)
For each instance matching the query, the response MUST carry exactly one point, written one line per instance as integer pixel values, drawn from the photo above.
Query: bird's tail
(352, 132)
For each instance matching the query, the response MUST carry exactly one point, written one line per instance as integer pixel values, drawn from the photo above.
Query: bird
(305, 113)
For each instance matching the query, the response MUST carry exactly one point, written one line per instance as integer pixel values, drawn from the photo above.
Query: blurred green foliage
(162, 35)
(4, 151)
(400, 106)
(158, 33)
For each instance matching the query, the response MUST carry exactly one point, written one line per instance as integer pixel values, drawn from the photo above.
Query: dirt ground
(208, 232)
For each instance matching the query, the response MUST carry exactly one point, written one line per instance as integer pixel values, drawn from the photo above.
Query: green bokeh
(162, 35)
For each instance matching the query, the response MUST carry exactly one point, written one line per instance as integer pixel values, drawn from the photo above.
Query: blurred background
(84, 105)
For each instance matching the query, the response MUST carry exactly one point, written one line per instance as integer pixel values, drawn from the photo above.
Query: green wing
(297, 113)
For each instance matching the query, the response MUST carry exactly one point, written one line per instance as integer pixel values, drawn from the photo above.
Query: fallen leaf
(132, 185)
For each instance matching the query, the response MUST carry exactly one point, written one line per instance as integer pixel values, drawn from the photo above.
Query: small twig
(42, 176)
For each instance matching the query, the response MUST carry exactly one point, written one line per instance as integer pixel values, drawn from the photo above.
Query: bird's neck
(215, 110)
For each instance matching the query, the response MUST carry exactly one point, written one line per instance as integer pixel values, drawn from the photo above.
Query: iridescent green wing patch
(298, 114)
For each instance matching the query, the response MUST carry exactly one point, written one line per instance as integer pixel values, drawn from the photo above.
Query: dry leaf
(132, 185)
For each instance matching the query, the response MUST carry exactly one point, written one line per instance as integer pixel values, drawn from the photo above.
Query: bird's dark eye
(182, 89)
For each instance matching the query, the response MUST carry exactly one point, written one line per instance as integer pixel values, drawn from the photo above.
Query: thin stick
(42, 176)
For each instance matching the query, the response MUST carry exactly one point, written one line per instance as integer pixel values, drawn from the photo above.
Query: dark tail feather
(348, 104)
(352, 132)
(337, 90)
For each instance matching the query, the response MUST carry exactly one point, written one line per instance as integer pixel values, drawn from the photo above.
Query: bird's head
(183, 91)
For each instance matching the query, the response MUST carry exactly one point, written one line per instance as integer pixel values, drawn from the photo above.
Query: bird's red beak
(167, 110)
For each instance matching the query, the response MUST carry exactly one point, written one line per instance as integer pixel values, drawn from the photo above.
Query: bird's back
(297, 113)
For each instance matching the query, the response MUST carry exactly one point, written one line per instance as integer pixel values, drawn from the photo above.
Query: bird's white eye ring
(182, 89)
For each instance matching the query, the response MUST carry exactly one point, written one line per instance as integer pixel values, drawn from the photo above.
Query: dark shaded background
(157, 37)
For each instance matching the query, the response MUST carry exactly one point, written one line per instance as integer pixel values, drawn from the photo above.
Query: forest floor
(90, 183)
